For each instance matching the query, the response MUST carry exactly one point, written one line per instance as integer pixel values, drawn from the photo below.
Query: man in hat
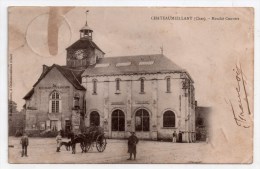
(24, 142)
(132, 141)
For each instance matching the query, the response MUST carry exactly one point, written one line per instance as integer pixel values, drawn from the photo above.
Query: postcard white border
(174, 3)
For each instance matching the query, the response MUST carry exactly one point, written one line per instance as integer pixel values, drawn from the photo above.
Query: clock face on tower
(79, 54)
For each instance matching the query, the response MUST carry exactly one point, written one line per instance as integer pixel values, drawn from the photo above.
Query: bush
(48, 134)
(18, 133)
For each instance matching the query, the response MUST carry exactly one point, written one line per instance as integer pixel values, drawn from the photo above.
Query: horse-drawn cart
(99, 141)
(91, 137)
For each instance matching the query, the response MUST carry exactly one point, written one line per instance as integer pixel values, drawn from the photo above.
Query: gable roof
(72, 75)
(84, 43)
(29, 94)
(132, 65)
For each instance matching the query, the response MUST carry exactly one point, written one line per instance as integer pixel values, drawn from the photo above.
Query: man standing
(132, 141)
(174, 137)
(24, 142)
(59, 140)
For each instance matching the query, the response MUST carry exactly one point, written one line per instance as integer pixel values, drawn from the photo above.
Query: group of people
(132, 142)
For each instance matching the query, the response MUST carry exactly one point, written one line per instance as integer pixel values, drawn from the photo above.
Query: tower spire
(86, 17)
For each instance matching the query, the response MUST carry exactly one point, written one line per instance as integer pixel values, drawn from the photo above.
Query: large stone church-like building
(148, 94)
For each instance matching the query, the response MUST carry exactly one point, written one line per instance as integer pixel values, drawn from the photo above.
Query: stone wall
(155, 99)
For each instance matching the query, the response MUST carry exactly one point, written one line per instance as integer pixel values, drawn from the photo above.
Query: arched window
(118, 120)
(168, 119)
(94, 86)
(117, 85)
(55, 102)
(168, 84)
(142, 85)
(94, 118)
(142, 120)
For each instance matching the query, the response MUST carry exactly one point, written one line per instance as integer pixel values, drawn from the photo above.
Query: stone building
(55, 97)
(148, 94)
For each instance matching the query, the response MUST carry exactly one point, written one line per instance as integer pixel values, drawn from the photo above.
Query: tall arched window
(168, 84)
(142, 120)
(55, 102)
(94, 118)
(142, 85)
(117, 85)
(168, 119)
(118, 120)
(94, 86)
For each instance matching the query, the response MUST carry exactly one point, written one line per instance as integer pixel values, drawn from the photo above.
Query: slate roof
(161, 64)
(72, 75)
(84, 43)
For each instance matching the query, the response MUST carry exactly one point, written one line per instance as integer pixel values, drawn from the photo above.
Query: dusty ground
(43, 150)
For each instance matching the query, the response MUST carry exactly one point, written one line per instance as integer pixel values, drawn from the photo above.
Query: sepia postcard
(128, 85)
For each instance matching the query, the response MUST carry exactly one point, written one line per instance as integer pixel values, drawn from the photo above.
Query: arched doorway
(142, 120)
(118, 124)
(94, 118)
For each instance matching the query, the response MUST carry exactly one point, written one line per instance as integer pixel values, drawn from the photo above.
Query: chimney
(44, 68)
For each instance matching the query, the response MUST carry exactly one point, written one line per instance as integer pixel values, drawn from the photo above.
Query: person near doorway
(58, 140)
(174, 137)
(132, 141)
(24, 142)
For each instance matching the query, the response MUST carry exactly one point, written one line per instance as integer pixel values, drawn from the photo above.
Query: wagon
(95, 137)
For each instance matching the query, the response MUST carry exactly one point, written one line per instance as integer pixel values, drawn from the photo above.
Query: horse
(77, 139)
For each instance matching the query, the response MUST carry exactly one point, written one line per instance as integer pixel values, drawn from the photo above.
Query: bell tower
(86, 31)
(84, 52)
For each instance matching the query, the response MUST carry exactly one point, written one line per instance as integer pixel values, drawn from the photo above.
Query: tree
(12, 107)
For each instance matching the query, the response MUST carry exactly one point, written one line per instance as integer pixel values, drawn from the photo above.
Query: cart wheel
(101, 143)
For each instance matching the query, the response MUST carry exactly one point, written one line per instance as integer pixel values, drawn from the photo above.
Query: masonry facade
(148, 94)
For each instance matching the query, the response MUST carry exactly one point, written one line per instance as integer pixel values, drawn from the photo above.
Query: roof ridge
(133, 56)
(61, 71)
(75, 77)
(68, 77)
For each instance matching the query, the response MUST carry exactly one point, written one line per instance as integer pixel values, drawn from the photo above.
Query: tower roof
(84, 43)
(86, 27)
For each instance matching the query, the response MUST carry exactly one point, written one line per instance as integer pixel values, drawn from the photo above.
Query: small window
(94, 118)
(142, 85)
(168, 119)
(168, 84)
(117, 85)
(94, 86)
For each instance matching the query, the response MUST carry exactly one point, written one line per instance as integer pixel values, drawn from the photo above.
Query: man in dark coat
(132, 141)
(24, 142)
